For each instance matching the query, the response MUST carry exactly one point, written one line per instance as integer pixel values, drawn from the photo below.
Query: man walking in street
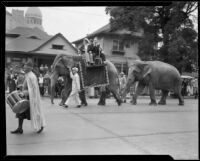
(34, 112)
(74, 95)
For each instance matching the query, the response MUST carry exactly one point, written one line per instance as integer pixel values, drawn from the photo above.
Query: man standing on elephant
(74, 95)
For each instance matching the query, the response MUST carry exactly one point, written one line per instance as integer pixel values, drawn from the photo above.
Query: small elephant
(156, 75)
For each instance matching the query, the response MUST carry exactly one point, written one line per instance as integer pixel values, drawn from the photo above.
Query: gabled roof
(25, 31)
(8, 13)
(106, 30)
(24, 44)
(31, 43)
(53, 37)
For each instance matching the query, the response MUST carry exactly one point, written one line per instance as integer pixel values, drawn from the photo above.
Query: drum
(17, 104)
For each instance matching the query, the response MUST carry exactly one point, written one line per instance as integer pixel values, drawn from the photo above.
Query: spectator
(41, 84)
(122, 82)
(12, 81)
(195, 87)
(189, 88)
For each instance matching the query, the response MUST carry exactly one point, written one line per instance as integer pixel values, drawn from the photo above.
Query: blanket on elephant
(94, 76)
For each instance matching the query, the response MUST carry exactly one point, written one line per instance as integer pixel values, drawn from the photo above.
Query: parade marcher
(122, 84)
(11, 81)
(90, 51)
(34, 112)
(41, 84)
(74, 95)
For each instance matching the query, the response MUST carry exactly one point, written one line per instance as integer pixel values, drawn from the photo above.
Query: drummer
(31, 91)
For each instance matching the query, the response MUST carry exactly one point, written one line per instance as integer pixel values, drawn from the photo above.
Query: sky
(73, 22)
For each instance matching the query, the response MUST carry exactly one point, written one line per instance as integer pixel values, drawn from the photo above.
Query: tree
(170, 24)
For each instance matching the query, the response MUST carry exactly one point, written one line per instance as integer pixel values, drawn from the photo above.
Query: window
(118, 45)
(58, 47)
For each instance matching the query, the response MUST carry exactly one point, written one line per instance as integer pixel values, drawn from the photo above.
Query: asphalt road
(110, 129)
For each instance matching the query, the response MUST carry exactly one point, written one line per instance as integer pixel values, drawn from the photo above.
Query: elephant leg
(83, 98)
(102, 100)
(116, 95)
(152, 95)
(139, 90)
(180, 97)
(65, 95)
(163, 98)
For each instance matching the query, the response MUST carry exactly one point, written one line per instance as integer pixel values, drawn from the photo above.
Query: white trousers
(74, 96)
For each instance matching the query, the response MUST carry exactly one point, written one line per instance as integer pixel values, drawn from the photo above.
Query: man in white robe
(74, 95)
(31, 91)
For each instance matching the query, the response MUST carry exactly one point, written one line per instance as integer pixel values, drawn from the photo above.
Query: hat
(29, 64)
(75, 69)
(122, 73)
(86, 39)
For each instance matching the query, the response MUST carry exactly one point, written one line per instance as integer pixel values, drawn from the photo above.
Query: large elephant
(60, 67)
(156, 75)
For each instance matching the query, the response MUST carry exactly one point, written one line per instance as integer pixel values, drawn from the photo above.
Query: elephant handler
(34, 112)
(74, 95)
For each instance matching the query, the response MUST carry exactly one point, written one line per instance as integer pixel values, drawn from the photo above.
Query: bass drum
(17, 103)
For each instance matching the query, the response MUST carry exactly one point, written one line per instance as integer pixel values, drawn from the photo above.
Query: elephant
(60, 67)
(156, 75)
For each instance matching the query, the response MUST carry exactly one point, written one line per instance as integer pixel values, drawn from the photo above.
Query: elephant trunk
(53, 78)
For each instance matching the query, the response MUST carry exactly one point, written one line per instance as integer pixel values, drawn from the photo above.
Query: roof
(107, 30)
(186, 77)
(53, 37)
(24, 44)
(25, 31)
(8, 13)
(31, 43)
(104, 29)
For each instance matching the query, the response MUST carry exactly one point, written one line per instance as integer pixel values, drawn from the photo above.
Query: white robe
(74, 95)
(36, 113)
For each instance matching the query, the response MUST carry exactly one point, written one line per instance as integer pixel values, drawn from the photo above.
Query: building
(27, 39)
(119, 46)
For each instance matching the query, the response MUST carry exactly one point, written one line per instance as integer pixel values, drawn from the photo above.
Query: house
(119, 46)
(26, 39)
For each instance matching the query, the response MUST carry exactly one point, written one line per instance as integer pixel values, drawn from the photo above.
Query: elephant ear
(144, 68)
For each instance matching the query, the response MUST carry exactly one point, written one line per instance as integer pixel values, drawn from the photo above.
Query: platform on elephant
(93, 76)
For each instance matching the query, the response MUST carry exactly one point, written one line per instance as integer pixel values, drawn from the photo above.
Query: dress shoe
(17, 131)
(65, 106)
(39, 131)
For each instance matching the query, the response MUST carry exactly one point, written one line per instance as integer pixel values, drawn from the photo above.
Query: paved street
(111, 129)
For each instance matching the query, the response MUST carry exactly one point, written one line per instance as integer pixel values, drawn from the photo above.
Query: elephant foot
(119, 102)
(84, 104)
(101, 104)
(181, 103)
(61, 104)
(162, 102)
(153, 103)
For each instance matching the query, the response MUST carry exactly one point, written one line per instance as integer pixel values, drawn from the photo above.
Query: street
(94, 130)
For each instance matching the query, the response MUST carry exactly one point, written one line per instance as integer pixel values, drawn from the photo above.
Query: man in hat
(74, 95)
(31, 91)
(122, 84)
(90, 50)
